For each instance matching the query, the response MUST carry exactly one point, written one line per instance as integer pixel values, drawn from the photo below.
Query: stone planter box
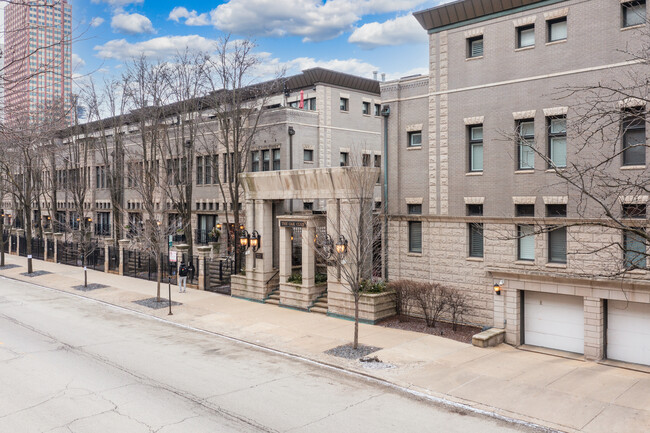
(373, 307)
(298, 296)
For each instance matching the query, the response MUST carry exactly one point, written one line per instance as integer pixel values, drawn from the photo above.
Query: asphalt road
(69, 364)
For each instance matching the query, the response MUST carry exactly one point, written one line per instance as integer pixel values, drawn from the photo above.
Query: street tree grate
(2, 268)
(153, 304)
(90, 287)
(346, 351)
(35, 274)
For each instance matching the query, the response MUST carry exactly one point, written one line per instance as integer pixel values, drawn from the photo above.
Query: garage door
(628, 332)
(554, 321)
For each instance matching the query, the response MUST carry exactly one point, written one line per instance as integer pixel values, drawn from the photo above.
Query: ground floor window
(415, 236)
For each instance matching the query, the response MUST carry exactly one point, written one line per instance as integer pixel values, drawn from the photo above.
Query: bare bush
(403, 297)
(432, 299)
(457, 304)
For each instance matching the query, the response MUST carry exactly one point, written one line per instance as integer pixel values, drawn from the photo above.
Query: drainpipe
(385, 112)
(292, 132)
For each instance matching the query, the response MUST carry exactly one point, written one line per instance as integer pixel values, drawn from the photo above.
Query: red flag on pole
(302, 100)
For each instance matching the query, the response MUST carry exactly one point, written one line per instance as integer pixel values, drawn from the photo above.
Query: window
(365, 160)
(556, 210)
(378, 165)
(633, 13)
(255, 165)
(276, 159)
(415, 236)
(365, 108)
(557, 245)
(474, 210)
(475, 239)
(476, 148)
(308, 205)
(634, 250)
(310, 104)
(634, 210)
(525, 242)
(475, 47)
(265, 160)
(199, 170)
(526, 141)
(557, 141)
(526, 36)
(415, 209)
(343, 104)
(557, 29)
(308, 155)
(634, 137)
(415, 138)
(344, 158)
(525, 210)
(377, 109)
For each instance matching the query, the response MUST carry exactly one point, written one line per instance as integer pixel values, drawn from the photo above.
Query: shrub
(295, 278)
(403, 297)
(369, 286)
(432, 298)
(457, 306)
(320, 278)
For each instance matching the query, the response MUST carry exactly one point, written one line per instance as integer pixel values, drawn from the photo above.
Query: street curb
(491, 413)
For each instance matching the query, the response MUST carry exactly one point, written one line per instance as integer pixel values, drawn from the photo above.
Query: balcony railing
(102, 229)
(203, 237)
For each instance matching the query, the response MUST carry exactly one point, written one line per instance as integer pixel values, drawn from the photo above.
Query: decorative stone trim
(555, 199)
(524, 21)
(308, 146)
(634, 199)
(344, 149)
(524, 200)
(369, 100)
(413, 200)
(556, 111)
(477, 120)
(414, 127)
(631, 102)
(474, 200)
(520, 115)
(474, 32)
(558, 13)
(344, 95)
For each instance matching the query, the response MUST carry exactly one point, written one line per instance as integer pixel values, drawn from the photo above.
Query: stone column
(594, 328)
(204, 253)
(19, 233)
(57, 238)
(285, 253)
(499, 308)
(11, 232)
(250, 224)
(107, 243)
(333, 229)
(45, 247)
(124, 243)
(308, 255)
(513, 314)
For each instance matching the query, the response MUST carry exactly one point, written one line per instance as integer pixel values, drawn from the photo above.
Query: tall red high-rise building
(37, 79)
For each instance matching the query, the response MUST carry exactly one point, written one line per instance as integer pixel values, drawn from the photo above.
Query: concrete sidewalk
(559, 393)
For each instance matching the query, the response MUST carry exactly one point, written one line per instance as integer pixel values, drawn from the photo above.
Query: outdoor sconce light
(159, 223)
(497, 287)
(219, 226)
(255, 240)
(327, 245)
(241, 227)
(342, 246)
(48, 218)
(244, 239)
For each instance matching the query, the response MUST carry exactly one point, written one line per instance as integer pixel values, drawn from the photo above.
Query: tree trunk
(28, 241)
(2, 241)
(159, 269)
(355, 344)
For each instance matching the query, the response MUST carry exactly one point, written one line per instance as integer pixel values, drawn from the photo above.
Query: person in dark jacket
(182, 278)
(190, 271)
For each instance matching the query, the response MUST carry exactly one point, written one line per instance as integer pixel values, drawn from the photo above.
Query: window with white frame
(344, 104)
(526, 242)
(526, 141)
(557, 141)
(344, 159)
(476, 148)
(415, 139)
(377, 109)
(633, 13)
(526, 36)
(557, 29)
(475, 47)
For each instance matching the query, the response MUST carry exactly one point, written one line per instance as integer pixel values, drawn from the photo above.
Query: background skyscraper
(37, 75)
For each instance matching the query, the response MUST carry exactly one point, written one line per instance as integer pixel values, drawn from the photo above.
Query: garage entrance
(628, 332)
(554, 321)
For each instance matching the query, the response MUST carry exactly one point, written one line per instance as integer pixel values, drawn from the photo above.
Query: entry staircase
(320, 304)
(273, 297)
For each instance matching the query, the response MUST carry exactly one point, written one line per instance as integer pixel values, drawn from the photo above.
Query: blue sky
(352, 36)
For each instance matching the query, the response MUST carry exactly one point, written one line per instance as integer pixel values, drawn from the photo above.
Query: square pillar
(57, 239)
(9, 249)
(106, 257)
(204, 253)
(285, 253)
(124, 243)
(264, 226)
(333, 229)
(250, 224)
(308, 255)
(594, 309)
(513, 315)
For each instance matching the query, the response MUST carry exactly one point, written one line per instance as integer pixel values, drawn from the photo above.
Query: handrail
(276, 273)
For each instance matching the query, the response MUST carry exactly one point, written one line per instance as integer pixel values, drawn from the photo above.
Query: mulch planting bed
(35, 274)
(2, 268)
(463, 333)
(346, 351)
(89, 287)
(153, 304)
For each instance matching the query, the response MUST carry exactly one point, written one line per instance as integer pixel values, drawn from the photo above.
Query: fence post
(46, 241)
(57, 239)
(11, 232)
(106, 257)
(204, 252)
(19, 234)
(182, 252)
(123, 244)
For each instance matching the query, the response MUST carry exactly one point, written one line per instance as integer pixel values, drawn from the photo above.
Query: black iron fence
(95, 260)
(38, 248)
(203, 237)
(113, 258)
(22, 246)
(50, 249)
(68, 253)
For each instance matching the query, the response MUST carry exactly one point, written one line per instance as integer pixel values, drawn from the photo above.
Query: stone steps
(320, 304)
(319, 310)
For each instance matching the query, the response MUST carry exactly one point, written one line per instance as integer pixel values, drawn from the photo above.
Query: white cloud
(97, 21)
(192, 18)
(77, 62)
(162, 47)
(398, 31)
(118, 3)
(312, 19)
(132, 24)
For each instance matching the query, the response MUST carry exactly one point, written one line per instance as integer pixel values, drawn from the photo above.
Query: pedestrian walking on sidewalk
(190, 271)
(182, 278)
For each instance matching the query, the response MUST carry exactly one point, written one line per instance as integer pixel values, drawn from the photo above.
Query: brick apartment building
(474, 197)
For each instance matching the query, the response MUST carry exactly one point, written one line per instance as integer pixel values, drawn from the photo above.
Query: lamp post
(2, 238)
(169, 277)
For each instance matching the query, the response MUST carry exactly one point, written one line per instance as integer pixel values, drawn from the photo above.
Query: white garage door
(628, 332)
(554, 321)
